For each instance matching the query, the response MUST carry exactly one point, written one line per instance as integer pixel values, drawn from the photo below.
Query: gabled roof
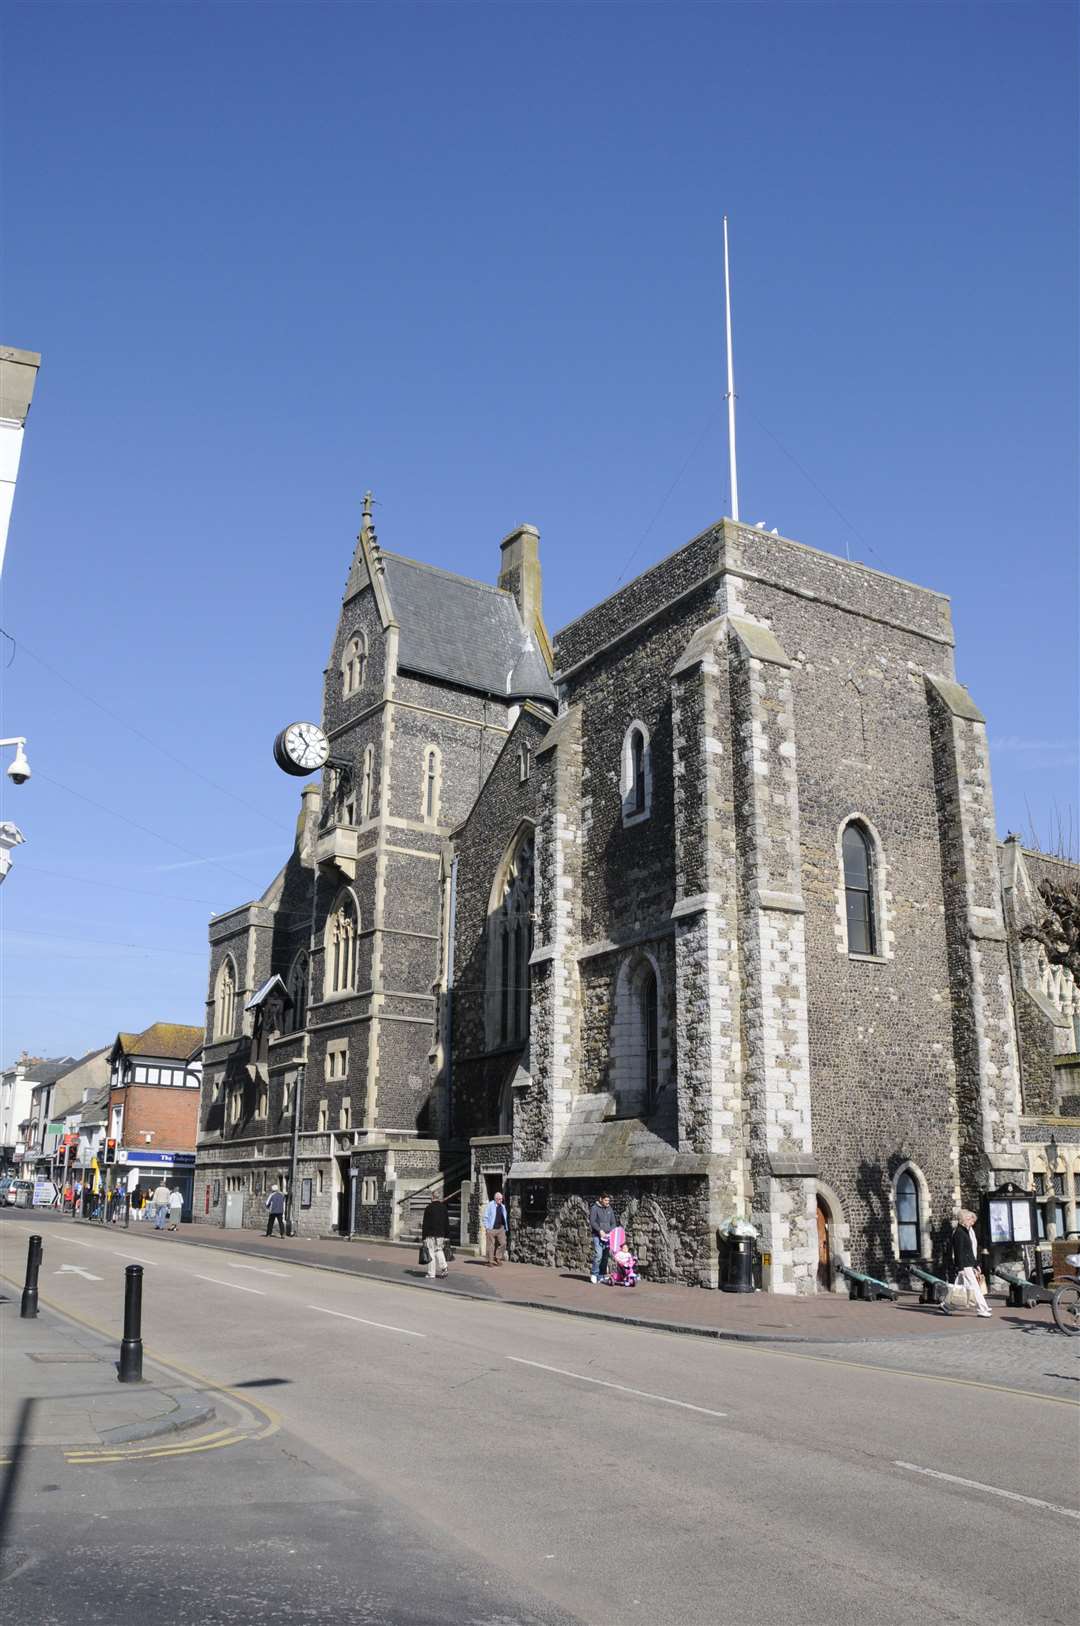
(49, 1070)
(272, 985)
(172, 1040)
(463, 631)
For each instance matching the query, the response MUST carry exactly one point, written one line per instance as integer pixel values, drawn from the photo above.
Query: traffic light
(110, 1151)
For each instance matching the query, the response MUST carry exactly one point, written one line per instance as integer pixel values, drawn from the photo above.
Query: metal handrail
(419, 1190)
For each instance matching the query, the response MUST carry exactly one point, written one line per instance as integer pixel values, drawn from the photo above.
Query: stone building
(701, 902)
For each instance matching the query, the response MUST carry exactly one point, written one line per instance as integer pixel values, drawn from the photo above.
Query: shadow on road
(9, 1489)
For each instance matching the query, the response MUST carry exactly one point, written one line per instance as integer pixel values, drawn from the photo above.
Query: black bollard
(29, 1292)
(131, 1347)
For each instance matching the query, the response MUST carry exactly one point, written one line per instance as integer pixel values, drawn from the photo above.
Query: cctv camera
(19, 768)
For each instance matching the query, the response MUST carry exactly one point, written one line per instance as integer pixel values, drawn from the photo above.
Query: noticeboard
(1008, 1216)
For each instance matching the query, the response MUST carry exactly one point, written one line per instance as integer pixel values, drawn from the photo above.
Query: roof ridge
(451, 575)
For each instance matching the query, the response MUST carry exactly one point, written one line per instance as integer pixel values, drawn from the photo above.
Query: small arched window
(297, 985)
(342, 937)
(354, 664)
(367, 776)
(524, 761)
(431, 785)
(637, 771)
(635, 778)
(859, 891)
(225, 1001)
(908, 1218)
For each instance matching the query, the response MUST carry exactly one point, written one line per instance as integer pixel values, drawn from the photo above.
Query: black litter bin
(739, 1265)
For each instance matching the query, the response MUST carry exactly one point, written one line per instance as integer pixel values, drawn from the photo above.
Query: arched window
(650, 1027)
(225, 1001)
(341, 939)
(635, 777)
(524, 761)
(431, 785)
(510, 945)
(859, 891)
(354, 664)
(908, 1225)
(367, 776)
(636, 1059)
(297, 985)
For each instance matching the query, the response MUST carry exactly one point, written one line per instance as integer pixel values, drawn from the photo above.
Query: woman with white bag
(968, 1284)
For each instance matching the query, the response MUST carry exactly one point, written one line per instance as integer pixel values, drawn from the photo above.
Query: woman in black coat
(434, 1230)
(966, 1261)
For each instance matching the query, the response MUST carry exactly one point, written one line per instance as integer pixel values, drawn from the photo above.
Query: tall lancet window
(341, 941)
(511, 946)
(354, 664)
(859, 891)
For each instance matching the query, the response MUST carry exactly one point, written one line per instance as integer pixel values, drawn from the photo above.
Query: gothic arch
(225, 1001)
(635, 773)
(640, 1048)
(341, 939)
(878, 881)
(924, 1216)
(839, 1234)
(510, 942)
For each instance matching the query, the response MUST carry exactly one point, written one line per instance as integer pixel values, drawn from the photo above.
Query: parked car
(6, 1183)
(21, 1193)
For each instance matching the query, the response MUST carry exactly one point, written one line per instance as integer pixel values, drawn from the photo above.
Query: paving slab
(67, 1373)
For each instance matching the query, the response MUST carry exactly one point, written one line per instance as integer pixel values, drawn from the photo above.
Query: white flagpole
(730, 385)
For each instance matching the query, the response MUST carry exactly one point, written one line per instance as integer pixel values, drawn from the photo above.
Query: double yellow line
(148, 1449)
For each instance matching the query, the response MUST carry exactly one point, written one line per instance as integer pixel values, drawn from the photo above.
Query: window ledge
(869, 959)
(635, 818)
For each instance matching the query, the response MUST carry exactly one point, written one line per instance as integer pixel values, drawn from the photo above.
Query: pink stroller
(622, 1266)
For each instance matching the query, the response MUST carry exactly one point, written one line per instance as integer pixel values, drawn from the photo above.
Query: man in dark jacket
(275, 1211)
(434, 1230)
(602, 1222)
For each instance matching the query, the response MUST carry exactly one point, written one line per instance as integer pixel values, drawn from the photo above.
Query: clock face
(302, 748)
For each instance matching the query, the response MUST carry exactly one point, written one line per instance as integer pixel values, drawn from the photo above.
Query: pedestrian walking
(434, 1231)
(138, 1197)
(176, 1208)
(275, 1210)
(160, 1201)
(966, 1265)
(602, 1222)
(496, 1229)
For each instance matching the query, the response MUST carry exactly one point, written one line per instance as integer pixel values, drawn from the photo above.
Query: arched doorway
(824, 1248)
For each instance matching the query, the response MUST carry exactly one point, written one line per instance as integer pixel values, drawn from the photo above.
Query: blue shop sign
(159, 1158)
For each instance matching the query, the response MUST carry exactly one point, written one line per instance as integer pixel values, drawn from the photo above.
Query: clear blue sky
(469, 255)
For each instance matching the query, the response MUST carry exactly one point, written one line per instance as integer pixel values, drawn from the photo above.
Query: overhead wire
(107, 711)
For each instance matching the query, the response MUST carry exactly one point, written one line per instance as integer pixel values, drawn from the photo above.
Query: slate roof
(50, 1069)
(171, 1040)
(463, 631)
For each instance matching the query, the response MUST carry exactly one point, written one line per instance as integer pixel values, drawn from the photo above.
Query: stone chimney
(519, 574)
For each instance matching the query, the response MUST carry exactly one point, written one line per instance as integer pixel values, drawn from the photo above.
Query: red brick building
(154, 1087)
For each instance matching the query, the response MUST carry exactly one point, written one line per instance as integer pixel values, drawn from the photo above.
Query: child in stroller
(622, 1266)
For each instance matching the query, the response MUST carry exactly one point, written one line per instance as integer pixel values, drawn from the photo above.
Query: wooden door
(824, 1249)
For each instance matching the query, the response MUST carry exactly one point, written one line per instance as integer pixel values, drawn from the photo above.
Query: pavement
(430, 1455)
(760, 1317)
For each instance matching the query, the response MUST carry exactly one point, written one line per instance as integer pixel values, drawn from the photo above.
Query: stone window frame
(262, 1103)
(236, 1103)
(926, 1214)
(636, 789)
(323, 1119)
(225, 999)
(839, 1234)
(881, 897)
(520, 1023)
(288, 1092)
(431, 783)
(524, 762)
(345, 1113)
(354, 662)
(336, 1060)
(340, 982)
(628, 1041)
(369, 1191)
